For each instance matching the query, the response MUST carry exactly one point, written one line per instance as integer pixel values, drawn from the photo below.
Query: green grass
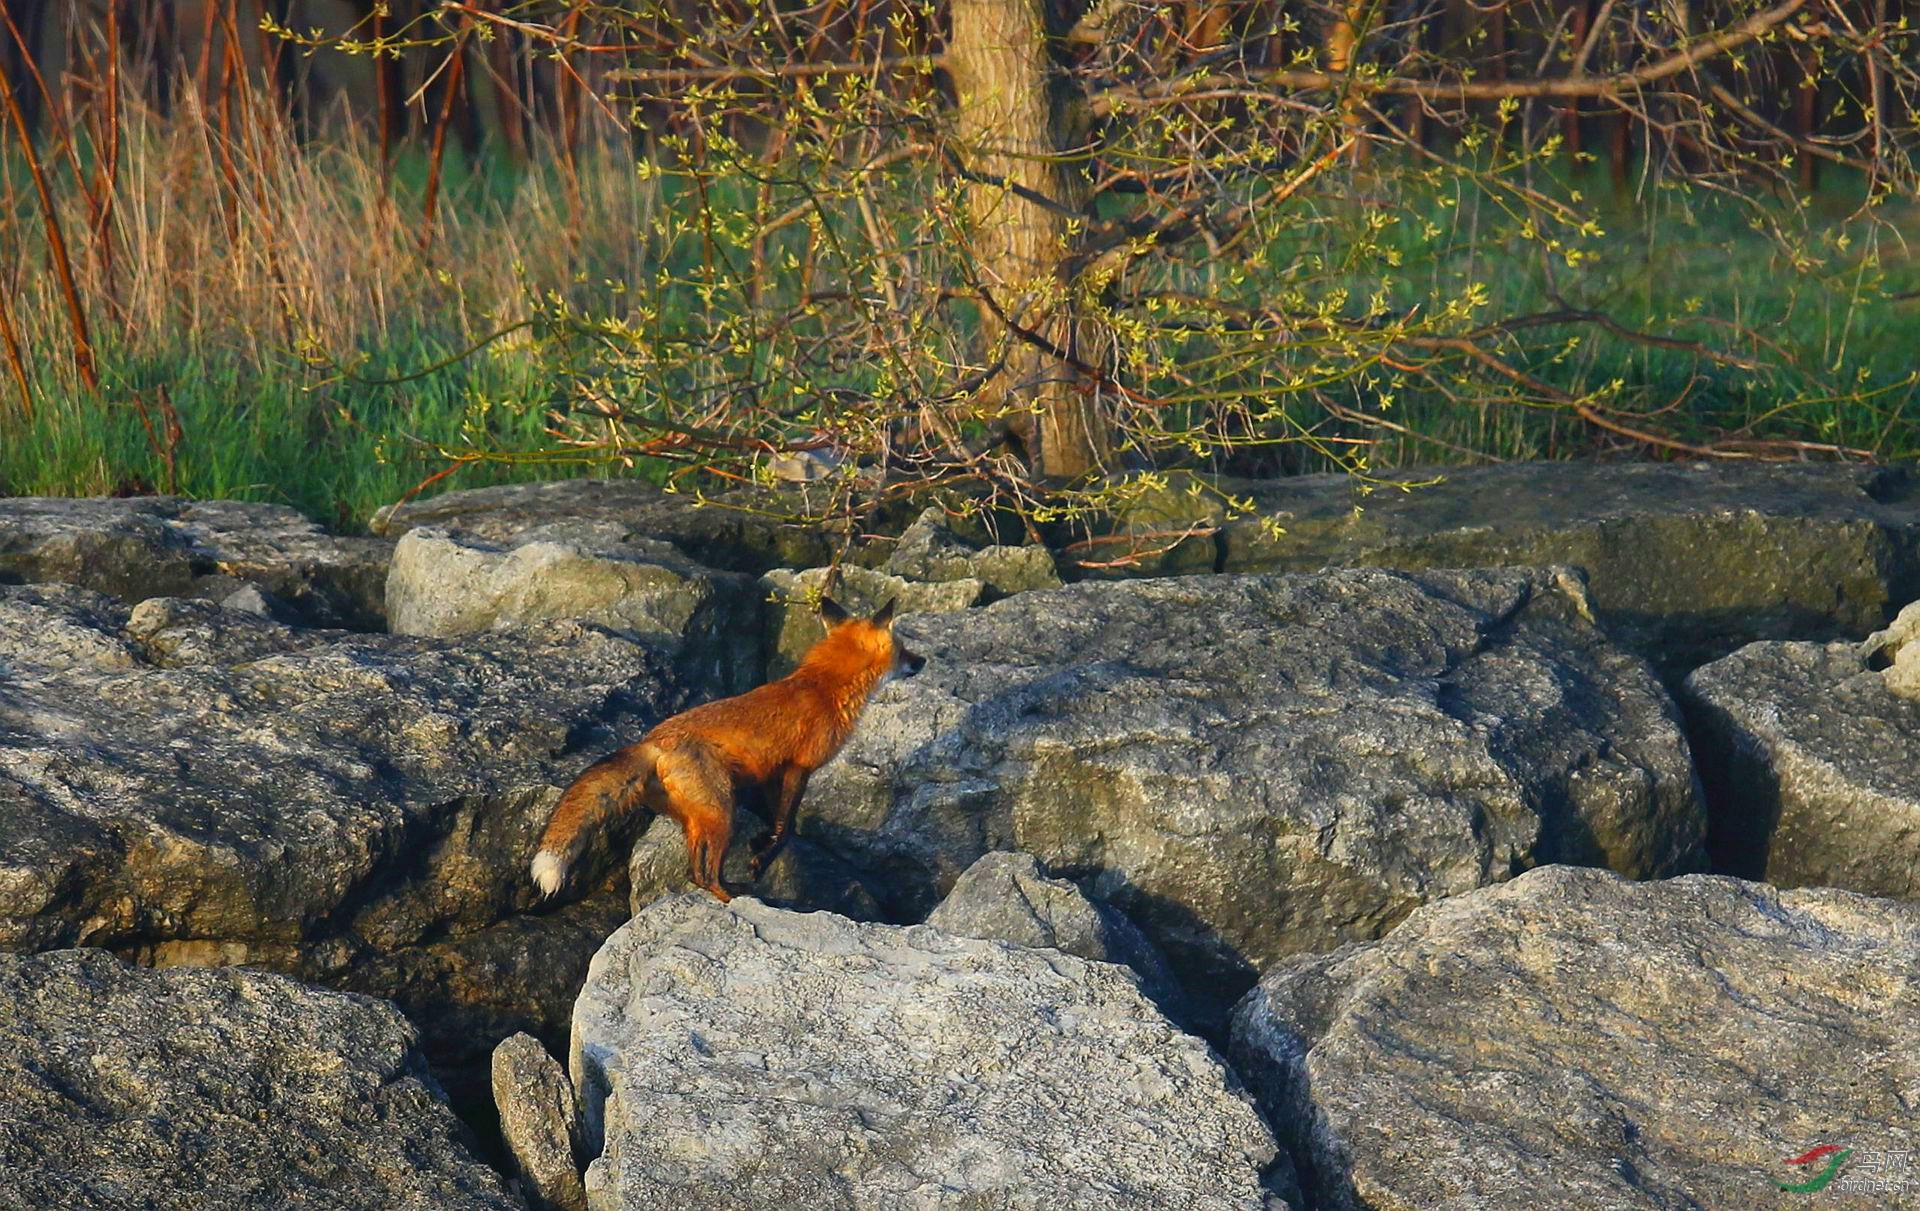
(1830, 340)
(265, 320)
(281, 402)
(276, 432)
(1737, 324)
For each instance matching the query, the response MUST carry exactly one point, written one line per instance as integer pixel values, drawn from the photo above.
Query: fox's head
(873, 637)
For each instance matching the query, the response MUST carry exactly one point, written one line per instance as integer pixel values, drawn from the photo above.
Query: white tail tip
(549, 871)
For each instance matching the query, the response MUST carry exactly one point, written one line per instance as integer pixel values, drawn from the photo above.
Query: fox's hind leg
(709, 851)
(696, 791)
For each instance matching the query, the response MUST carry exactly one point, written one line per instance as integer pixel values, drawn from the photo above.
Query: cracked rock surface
(166, 546)
(804, 1060)
(191, 784)
(1572, 1039)
(217, 1090)
(1255, 766)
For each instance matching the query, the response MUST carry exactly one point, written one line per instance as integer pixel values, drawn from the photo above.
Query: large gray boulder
(165, 546)
(1008, 896)
(1688, 561)
(1571, 1039)
(803, 1060)
(1812, 766)
(1254, 766)
(195, 784)
(135, 1090)
(443, 584)
(743, 531)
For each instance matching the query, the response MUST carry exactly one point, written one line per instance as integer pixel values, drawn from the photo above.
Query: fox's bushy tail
(609, 788)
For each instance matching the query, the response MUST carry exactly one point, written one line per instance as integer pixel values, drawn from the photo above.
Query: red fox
(773, 737)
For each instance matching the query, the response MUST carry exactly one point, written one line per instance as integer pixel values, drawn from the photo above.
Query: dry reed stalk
(16, 359)
(455, 76)
(383, 87)
(166, 440)
(109, 156)
(51, 109)
(83, 359)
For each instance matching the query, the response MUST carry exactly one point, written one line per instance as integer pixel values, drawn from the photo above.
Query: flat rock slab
(136, 1090)
(166, 546)
(1571, 1039)
(444, 584)
(1008, 896)
(1687, 562)
(1812, 768)
(803, 1060)
(197, 785)
(736, 532)
(1255, 766)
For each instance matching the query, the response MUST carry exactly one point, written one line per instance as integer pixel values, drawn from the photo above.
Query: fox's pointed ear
(883, 617)
(832, 612)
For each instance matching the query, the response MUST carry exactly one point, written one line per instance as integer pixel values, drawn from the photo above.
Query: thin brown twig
(56, 242)
(1719, 43)
(777, 71)
(437, 156)
(16, 359)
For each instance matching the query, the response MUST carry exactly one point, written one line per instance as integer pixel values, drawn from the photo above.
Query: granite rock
(446, 585)
(743, 531)
(539, 1121)
(1572, 1039)
(1808, 756)
(1255, 766)
(1007, 896)
(804, 1060)
(217, 1090)
(191, 784)
(165, 546)
(1688, 561)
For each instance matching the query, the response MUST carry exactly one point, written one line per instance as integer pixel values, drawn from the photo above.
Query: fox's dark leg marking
(793, 784)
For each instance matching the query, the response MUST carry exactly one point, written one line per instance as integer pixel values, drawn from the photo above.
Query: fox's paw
(549, 871)
(760, 858)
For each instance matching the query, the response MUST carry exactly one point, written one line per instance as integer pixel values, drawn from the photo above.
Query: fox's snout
(906, 664)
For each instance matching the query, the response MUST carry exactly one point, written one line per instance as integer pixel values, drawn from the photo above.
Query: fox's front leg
(792, 785)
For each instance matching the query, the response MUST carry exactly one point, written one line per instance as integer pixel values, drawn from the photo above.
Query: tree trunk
(1018, 203)
(1342, 40)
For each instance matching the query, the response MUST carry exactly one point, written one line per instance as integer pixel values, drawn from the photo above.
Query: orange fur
(692, 766)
